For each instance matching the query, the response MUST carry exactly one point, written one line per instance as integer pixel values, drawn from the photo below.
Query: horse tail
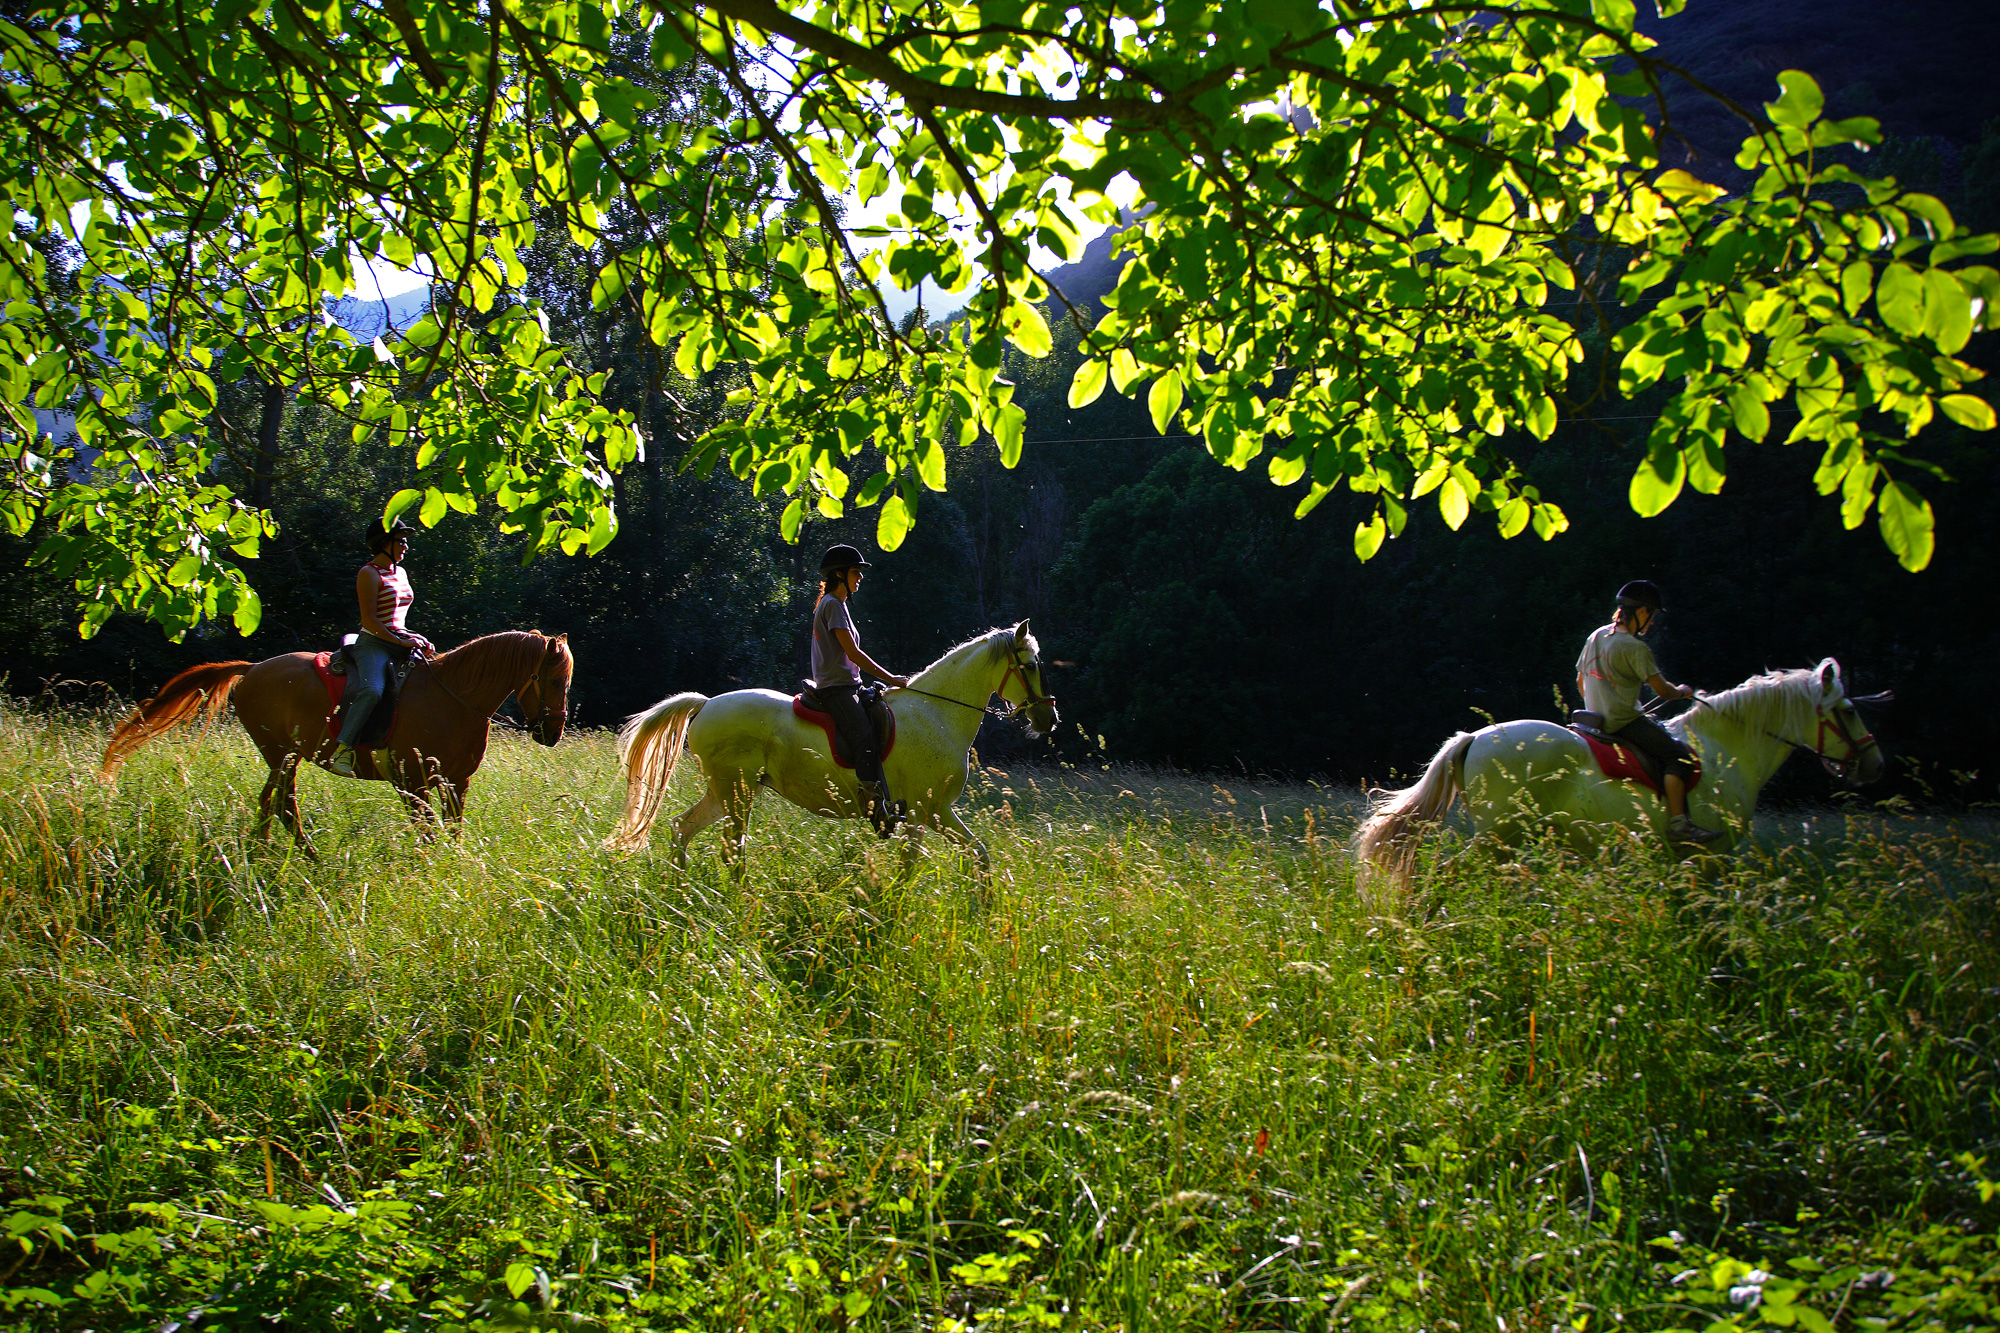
(649, 744)
(200, 689)
(1386, 843)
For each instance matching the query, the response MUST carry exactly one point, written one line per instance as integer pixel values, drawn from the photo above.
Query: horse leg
(443, 795)
(697, 817)
(454, 808)
(288, 795)
(271, 785)
(737, 794)
(952, 826)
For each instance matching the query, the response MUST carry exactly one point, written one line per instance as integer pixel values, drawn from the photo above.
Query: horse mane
(996, 643)
(1780, 701)
(500, 661)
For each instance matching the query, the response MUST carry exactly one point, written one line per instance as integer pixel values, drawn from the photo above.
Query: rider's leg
(851, 720)
(1677, 797)
(370, 678)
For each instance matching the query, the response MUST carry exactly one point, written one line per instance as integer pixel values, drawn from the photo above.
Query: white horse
(750, 737)
(1520, 777)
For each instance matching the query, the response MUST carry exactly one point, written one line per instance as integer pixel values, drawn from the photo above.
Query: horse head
(1026, 669)
(1846, 748)
(545, 698)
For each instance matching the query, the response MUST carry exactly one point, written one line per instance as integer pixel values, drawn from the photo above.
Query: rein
(1014, 668)
(1838, 767)
(439, 681)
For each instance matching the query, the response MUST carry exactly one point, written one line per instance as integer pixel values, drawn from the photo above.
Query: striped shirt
(392, 598)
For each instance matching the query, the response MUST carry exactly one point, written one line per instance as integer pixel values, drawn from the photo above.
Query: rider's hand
(1687, 691)
(900, 682)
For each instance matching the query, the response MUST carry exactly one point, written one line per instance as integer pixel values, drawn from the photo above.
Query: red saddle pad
(334, 686)
(1621, 762)
(824, 721)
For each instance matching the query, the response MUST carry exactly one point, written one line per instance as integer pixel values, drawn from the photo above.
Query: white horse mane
(997, 643)
(1778, 701)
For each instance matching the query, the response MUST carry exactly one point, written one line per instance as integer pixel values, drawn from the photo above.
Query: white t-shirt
(830, 661)
(1614, 664)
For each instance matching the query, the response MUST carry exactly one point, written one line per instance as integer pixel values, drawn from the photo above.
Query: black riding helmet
(379, 537)
(1640, 592)
(842, 557)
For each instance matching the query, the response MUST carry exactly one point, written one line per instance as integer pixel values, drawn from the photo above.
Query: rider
(837, 664)
(1615, 662)
(382, 587)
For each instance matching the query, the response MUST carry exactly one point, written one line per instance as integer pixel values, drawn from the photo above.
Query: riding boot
(1681, 829)
(341, 762)
(872, 805)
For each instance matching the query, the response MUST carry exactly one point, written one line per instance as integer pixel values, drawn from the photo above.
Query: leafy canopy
(1357, 220)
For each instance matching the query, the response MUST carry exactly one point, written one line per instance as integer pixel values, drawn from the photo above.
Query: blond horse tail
(1385, 846)
(200, 689)
(649, 744)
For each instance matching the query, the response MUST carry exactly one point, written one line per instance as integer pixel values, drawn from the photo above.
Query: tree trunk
(263, 482)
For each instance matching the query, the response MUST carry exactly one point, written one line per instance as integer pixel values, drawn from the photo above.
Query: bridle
(541, 718)
(540, 725)
(1830, 719)
(1016, 669)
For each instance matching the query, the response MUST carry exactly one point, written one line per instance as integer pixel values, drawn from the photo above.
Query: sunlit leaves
(1907, 525)
(1360, 293)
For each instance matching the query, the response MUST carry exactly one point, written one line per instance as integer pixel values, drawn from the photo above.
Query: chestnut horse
(441, 725)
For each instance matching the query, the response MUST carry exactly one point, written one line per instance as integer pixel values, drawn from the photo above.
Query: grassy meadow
(1165, 1070)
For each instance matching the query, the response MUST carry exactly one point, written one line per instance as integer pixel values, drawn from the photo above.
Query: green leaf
(894, 524)
(1753, 419)
(1800, 104)
(520, 1275)
(1907, 525)
(1165, 400)
(1088, 382)
(1452, 503)
(249, 610)
(603, 527)
(1027, 329)
(1368, 537)
(398, 502)
(1899, 296)
(1658, 481)
(794, 515)
(434, 508)
(1947, 311)
(1968, 411)
(1009, 429)
(1856, 281)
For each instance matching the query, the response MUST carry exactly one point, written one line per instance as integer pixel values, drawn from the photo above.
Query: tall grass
(1162, 1070)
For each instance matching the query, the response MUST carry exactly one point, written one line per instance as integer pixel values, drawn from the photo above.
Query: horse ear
(1829, 677)
(1021, 633)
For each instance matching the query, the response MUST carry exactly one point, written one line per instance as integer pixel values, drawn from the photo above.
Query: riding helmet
(842, 557)
(379, 537)
(1639, 592)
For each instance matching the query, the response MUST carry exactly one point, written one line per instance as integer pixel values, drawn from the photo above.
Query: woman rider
(1614, 663)
(382, 587)
(837, 664)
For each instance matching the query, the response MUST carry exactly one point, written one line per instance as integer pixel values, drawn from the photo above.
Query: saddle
(1618, 760)
(808, 707)
(336, 673)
